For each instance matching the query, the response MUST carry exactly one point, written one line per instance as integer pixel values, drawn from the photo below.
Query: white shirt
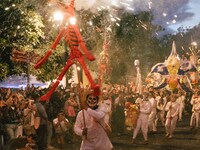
(145, 107)
(174, 109)
(97, 138)
(62, 127)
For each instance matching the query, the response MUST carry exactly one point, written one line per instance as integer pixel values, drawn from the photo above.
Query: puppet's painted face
(92, 101)
(173, 64)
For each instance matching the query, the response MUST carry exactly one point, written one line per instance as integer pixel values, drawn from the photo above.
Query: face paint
(92, 101)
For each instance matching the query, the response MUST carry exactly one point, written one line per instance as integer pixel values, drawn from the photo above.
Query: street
(184, 139)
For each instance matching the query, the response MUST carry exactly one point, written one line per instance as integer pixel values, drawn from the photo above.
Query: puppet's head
(67, 8)
(70, 8)
(173, 61)
(171, 73)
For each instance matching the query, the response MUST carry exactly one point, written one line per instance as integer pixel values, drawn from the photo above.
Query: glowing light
(18, 27)
(103, 7)
(99, 9)
(114, 3)
(109, 29)
(124, 4)
(13, 5)
(90, 23)
(175, 16)
(129, 8)
(174, 21)
(194, 43)
(78, 68)
(118, 18)
(72, 20)
(150, 3)
(164, 14)
(113, 19)
(7, 8)
(58, 16)
(167, 22)
(118, 24)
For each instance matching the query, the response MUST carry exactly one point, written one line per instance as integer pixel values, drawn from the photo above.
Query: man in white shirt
(161, 103)
(152, 116)
(61, 126)
(142, 122)
(172, 109)
(195, 102)
(91, 126)
(181, 101)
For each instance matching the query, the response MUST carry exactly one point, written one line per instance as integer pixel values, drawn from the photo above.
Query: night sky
(170, 14)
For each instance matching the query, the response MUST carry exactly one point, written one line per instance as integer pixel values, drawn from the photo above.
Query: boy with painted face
(90, 125)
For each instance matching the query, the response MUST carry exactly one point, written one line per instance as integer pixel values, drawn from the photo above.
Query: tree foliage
(133, 39)
(25, 26)
(21, 26)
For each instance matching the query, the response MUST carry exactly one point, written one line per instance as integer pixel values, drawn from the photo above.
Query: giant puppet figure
(73, 38)
(172, 73)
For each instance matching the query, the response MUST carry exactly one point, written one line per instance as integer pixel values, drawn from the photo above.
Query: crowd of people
(75, 111)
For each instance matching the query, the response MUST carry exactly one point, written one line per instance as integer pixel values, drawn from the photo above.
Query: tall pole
(138, 78)
(28, 71)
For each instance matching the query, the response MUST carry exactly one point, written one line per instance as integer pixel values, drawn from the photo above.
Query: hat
(83, 96)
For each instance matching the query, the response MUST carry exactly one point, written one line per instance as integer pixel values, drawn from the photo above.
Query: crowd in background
(19, 110)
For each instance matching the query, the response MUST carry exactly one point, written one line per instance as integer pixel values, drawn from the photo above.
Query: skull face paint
(92, 101)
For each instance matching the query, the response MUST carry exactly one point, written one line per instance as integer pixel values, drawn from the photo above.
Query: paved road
(184, 139)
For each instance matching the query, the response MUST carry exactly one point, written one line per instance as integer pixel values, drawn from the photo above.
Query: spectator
(28, 123)
(41, 131)
(61, 126)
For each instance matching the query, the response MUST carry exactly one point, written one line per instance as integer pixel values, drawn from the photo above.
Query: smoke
(166, 12)
(84, 4)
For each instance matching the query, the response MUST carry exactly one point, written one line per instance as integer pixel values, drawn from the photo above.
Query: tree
(23, 28)
(133, 39)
